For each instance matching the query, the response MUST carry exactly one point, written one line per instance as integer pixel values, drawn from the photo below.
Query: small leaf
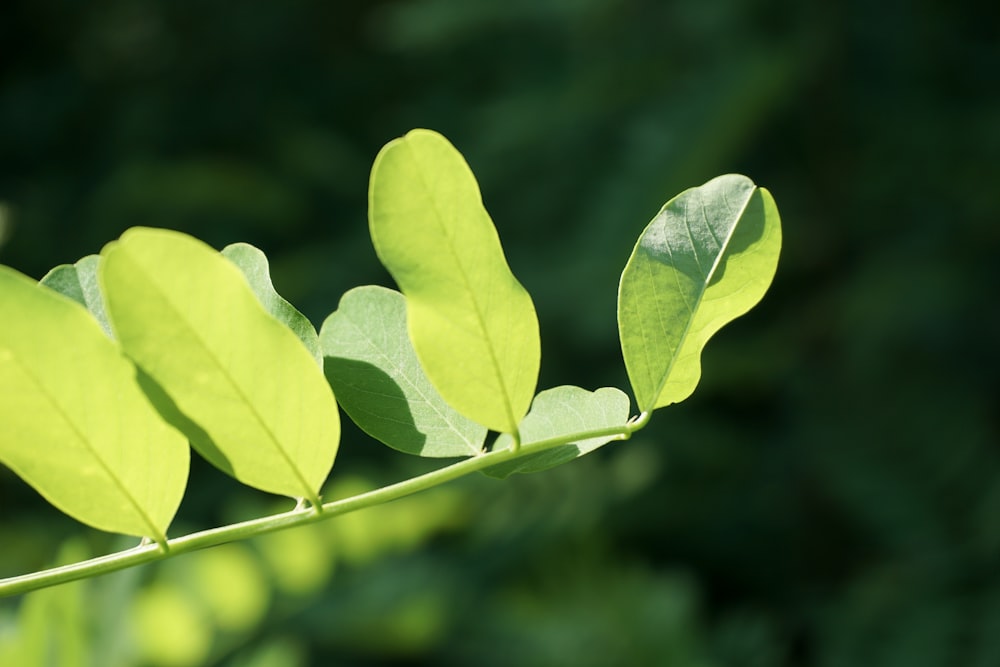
(263, 411)
(560, 412)
(253, 263)
(79, 282)
(704, 260)
(378, 381)
(76, 425)
(472, 324)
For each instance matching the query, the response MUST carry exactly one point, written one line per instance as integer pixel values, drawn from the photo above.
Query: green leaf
(560, 412)
(79, 282)
(75, 424)
(704, 260)
(253, 263)
(472, 324)
(256, 405)
(378, 381)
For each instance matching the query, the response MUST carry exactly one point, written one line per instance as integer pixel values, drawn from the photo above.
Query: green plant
(174, 343)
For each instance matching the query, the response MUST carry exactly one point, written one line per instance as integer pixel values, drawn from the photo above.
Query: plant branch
(299, 516)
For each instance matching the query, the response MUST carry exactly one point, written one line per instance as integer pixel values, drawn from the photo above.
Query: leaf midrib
(275, 442)
(157, 535)
(723, 249)
(480, 319)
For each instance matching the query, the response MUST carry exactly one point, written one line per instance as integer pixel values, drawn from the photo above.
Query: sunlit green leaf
(75, 424)
(253, 263)
(79, 282)
(256, 404)
(705, 259)
(378, 381)
(563, 411)
(472, 324)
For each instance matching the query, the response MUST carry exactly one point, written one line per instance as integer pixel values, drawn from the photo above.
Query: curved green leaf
(559, 412)
(253, 263)
(75, 424)
(378, 381)
(704, 260)
(472, 324)
(79, 282)
(263, 411)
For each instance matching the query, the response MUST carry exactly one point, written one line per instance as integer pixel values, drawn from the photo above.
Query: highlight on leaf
(76, 425)
(472, 324)
(374, 371)
(238, 382)
(706, 258)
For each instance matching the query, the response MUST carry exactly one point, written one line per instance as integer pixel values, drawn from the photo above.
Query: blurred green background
(829, 496)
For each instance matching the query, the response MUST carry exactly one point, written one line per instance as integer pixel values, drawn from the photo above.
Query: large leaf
(564, 411)
(254, 265)
(75, 424)
(378, 381)
(705, 259)
(253, 400)
(79, 282)
(472, 324)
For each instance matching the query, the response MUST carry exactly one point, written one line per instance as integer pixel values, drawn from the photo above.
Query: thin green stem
(515, 441)
(300, 516)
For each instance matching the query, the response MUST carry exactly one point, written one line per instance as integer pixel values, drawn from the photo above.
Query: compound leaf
(76, 424)
(378, 381)
(704, 260)
(242, 386)
(472, 324)
(559, 412)
(254, 265)
(79, 282)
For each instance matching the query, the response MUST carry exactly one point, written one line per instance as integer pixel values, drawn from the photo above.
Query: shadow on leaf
(375, 403)
(171, 414)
